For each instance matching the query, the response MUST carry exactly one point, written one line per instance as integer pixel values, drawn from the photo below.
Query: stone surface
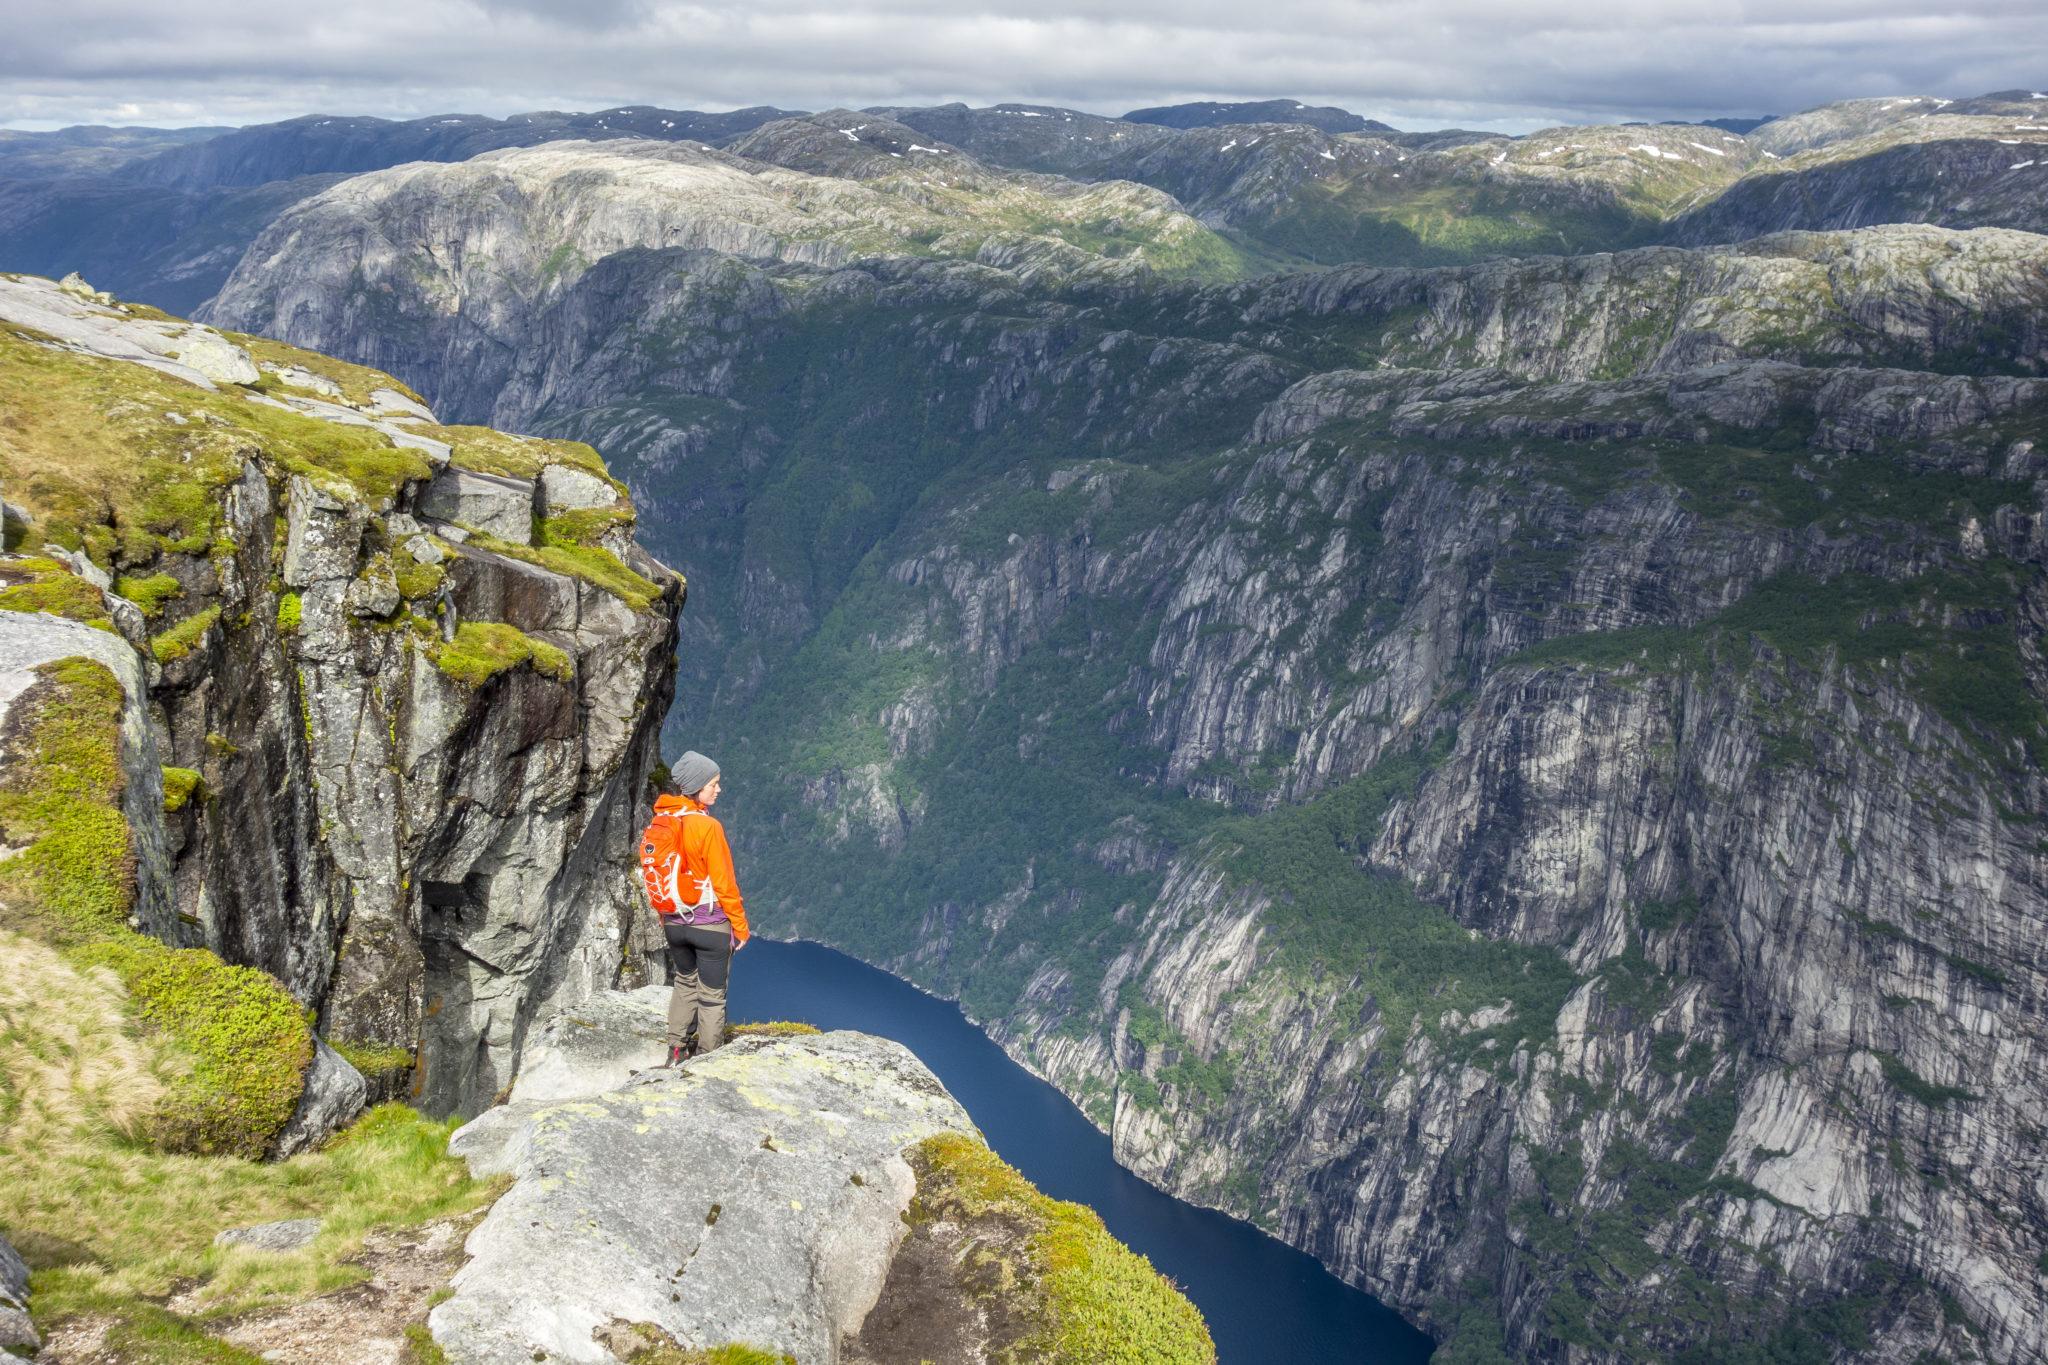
(214, 356)
(564, 488)
(334, 1094)
(287, 1234)
(16, 1330)
(753, 1195)
(595, 1046)
(483, 502)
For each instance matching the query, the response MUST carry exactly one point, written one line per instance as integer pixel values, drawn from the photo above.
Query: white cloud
(1502, 63)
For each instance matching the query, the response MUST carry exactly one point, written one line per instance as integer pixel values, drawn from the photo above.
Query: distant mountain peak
(1209, 114)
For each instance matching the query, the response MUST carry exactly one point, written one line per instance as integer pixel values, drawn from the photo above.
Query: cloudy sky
(1511, 64)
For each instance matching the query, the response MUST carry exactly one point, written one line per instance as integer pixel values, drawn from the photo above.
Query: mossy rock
(1052, 1283)
(483, 649)
(242, 1040)
(36, 583)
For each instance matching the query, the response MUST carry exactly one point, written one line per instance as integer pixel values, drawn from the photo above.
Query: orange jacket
(687, 866)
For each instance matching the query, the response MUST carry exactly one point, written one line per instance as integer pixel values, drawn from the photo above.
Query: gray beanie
(692, 772)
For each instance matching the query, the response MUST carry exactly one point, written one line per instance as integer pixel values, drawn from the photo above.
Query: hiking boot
(678, 1055)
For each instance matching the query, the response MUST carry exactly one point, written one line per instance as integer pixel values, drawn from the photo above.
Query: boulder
(755, 1194)
(334, 1094)
(14, 525)
(493, 587)
(390, 402)
(374, 592)
(17, 1332)
(564, 488)
(286, 1235)
(484, 502)
(213, 355)
(593, 1047)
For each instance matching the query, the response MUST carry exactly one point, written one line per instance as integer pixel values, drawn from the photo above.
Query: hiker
(688, 869)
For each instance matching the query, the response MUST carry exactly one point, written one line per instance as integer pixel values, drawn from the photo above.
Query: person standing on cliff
(687, 866)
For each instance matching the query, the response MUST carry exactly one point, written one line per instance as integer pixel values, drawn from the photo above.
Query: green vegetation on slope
(243, 1042)
(1096, 1302)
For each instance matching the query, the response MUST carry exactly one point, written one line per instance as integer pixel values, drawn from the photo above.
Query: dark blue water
(1265, 1301)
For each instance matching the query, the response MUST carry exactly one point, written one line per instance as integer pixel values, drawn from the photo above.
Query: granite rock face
(753, 1195)
(1524, 779)
(418, 788)
(16, 1330)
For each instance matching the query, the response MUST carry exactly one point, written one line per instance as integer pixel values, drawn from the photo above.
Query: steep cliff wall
(409, 678)
(1523, 779)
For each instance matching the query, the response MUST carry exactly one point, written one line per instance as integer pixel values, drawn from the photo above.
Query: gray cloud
(1501, 63)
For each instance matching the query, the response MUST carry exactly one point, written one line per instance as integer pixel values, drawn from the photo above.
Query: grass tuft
(181, 639)
(483, 649)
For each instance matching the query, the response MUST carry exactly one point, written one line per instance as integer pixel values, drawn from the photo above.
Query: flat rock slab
(485, 502)
(752, 1195)
(286, 1235)
(80, 322)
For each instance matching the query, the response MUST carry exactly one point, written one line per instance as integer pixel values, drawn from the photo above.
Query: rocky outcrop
(415, 754)
(29, 641)
(1521, 778)
(17, 1332)
(754, 1195)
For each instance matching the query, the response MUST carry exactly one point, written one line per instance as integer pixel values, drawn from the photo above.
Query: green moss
(1099, 1302)
(34, 584)
(243, 1040)
(775, 1028)
(374, 1060)
(593, 564)
(290, 606)
(180, 639)
(582, 526)
(483, 649)
(421, 1348)
(179, 785)
(150, 592)
(416, 580)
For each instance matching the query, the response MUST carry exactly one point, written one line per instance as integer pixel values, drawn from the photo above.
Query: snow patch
(1710, 151)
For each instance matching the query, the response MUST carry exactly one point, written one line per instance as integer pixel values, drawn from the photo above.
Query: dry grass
(111, 1228)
